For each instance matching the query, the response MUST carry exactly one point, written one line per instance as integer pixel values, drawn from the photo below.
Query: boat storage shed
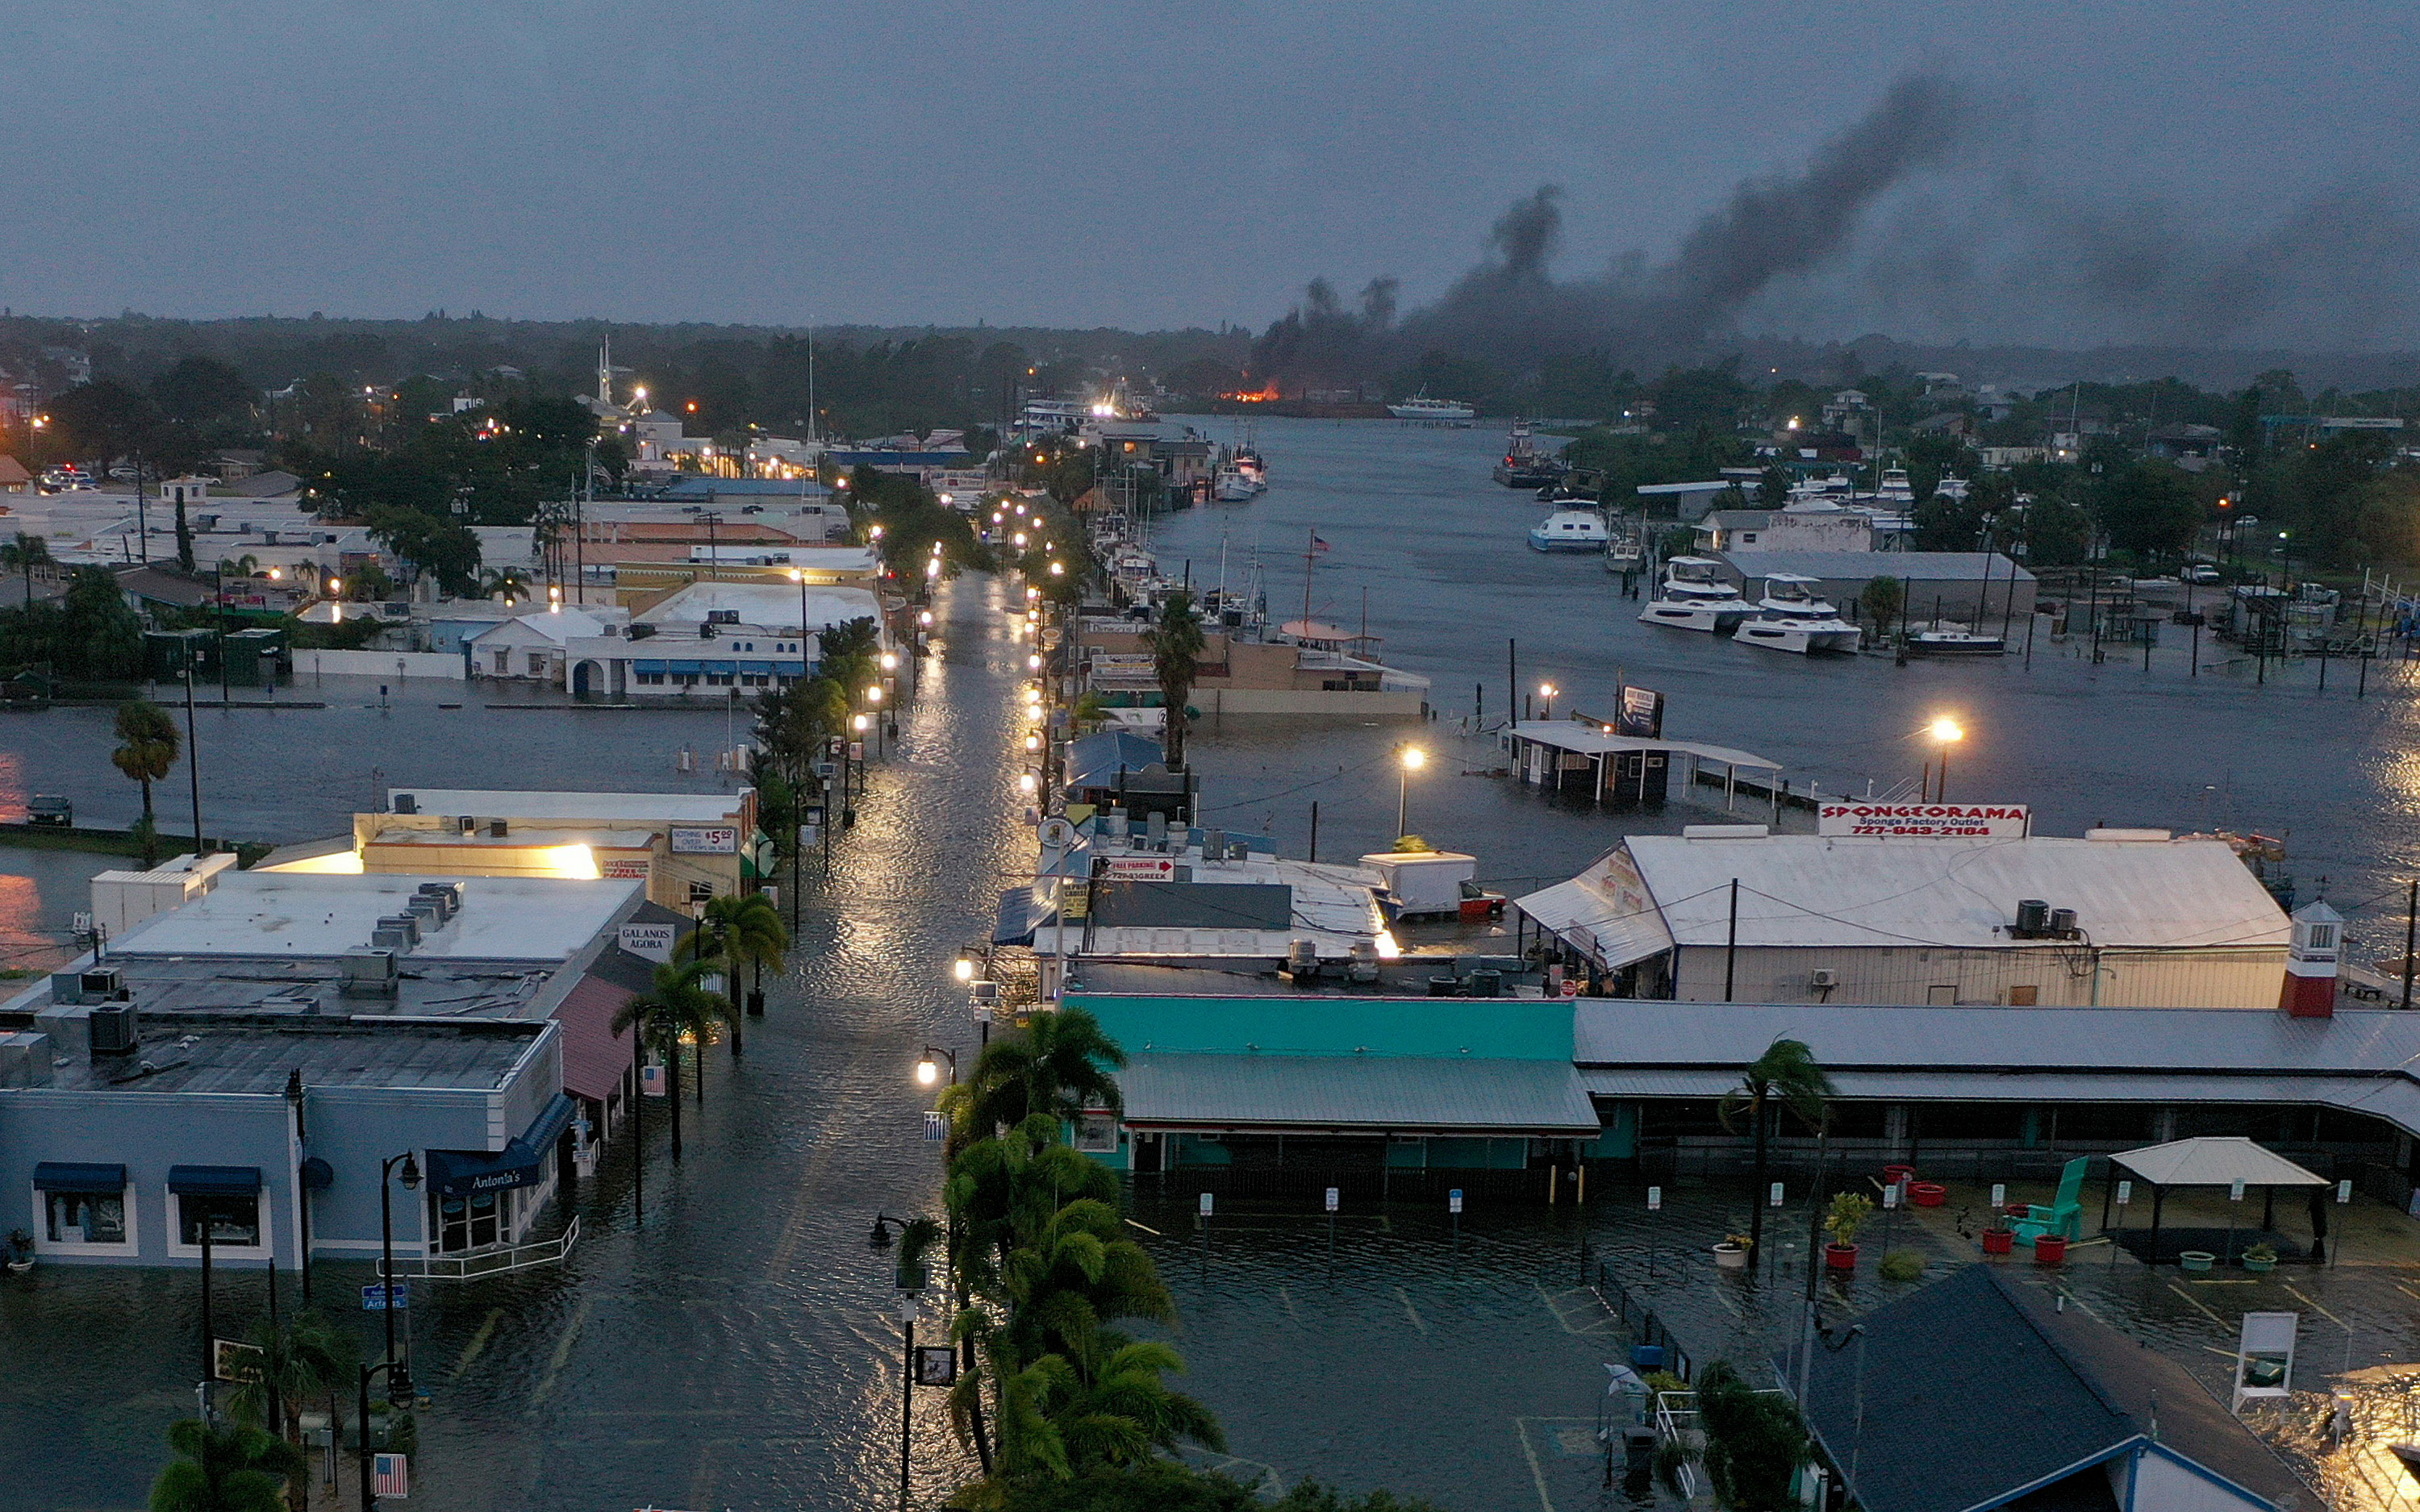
(2156, 922)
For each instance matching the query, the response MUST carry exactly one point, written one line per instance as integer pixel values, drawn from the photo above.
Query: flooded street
(741, 1347)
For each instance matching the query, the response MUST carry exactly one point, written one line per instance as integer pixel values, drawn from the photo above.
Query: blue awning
(461, 1172)
(1014, 925)
(649, 666)
(78, 1176)
(317, 1175)
(681, 667)
(728, 669)
(214, 1180)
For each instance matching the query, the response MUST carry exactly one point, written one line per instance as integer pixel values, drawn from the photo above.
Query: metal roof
(1827, 890)
(255, 1058)
(599, 808)
(1614, 1032)
(1366, 1094)
(2216, 1160)
(1613, 932)
(1910, 567)
(1596, 740)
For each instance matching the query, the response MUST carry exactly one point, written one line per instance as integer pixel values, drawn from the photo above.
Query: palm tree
(674, 1004)
(234, 1469)
(26, 553)
(512, 582)
(300, 1360)
(741, 932)
(1059, 1064)
(1785, 1074)
(1175, 659)
(150, 750)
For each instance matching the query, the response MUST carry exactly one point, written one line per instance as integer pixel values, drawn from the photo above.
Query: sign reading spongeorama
(1926, 821)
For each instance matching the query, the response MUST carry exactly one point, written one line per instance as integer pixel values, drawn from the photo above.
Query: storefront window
(469, 1222)
(234, 1220)
(86, 1218)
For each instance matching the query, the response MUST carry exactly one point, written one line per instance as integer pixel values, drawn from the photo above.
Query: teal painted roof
(1368, 1094)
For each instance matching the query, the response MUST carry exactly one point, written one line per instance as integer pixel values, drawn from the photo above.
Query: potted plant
(1850, 1211)
(1999, 1238)
(1731, 1254)
(2260, 1258)
(2196, 1260)
(2050, 1249)
(1927, 1194)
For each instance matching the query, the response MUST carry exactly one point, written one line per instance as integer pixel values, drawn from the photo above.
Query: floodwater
(741, 1347)
(1418, 531)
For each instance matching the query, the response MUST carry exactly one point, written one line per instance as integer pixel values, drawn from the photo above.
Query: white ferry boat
(1569, 529)
(1434, 411)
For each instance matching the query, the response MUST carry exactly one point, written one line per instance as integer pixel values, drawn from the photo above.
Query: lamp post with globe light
(1946, 733)
(1409, 760)
(928, 1069)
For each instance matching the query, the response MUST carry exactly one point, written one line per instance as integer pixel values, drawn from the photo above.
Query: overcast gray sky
(1136, 164)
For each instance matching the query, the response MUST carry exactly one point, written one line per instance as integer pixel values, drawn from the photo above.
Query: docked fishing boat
(1627, 552)
(1950, 641)
(1230, 486)
(1569, 529)
(1428, 412)
(1522, 465)
(1694, 596)
(1791, 617)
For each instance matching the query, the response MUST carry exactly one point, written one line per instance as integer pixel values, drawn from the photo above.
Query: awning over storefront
(461, 1172)
(214, 1180)
(1017, 916)
(595, 1059)
(79, 1176)
(1357, 1094)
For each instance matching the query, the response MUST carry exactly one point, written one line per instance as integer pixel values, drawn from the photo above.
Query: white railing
(1676, 1417)
(496, 1261)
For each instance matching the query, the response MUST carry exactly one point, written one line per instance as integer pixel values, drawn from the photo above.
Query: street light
(397, 1384)
(1410, 760)
(1546, 692)
(1946, 733)
(965, 968)
(928, 1071)
(399, 1390)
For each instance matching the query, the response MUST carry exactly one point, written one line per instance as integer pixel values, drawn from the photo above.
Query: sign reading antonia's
(1926, 821)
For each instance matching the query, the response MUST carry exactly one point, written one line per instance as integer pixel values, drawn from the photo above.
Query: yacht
(1692, 595)
(1232, 486)
(1569, 529)
(1789, 617)
(1433, 411)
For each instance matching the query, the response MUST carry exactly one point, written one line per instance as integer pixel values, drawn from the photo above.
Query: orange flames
(1266, 393)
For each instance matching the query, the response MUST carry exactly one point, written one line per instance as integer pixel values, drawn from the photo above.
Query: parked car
(50, 811)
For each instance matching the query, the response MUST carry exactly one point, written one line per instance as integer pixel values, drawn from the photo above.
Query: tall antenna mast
(605, 369)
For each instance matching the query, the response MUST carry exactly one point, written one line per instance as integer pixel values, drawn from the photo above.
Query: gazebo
(2216, 1160)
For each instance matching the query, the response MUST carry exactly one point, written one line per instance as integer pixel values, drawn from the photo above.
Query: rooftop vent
(395, 931)
(406, 803)
(369, 972)
(498, 828)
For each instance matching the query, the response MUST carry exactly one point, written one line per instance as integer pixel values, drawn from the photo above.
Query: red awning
(594, 1057)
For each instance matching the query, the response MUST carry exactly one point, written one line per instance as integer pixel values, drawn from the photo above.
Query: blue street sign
(374, 1298)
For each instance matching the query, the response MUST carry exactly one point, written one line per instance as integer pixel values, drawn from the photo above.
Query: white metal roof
(1604, 912)
(1596, 740)
(308, 913)
(1820, 890)
(767, 604)
(628, 808)
(2214, 1160)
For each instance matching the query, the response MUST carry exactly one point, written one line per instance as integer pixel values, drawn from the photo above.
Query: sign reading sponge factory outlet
(1926, 821)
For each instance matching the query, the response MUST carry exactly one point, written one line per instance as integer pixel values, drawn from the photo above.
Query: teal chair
(2065, 1215)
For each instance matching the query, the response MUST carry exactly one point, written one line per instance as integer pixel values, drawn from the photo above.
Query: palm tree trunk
(146, 797)
(672, 1070)
(1756, 1197)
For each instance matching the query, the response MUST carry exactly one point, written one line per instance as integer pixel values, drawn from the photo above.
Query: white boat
(1791, 617)
(1625, 552)
(1434, 411)
(1692, 595)
(1569, 529)
(1232, 486)
(1948, 640)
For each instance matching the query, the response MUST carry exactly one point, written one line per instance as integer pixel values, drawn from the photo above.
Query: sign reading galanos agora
(1926, 821)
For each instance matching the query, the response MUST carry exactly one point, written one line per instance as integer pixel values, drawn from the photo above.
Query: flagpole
(1308, 547)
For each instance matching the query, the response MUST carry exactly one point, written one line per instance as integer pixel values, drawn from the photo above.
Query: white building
(2156, 922)
(714, 636)
(534, 648)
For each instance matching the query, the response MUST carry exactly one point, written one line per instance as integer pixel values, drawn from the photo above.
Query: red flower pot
(1894, 1175)
(1999, 1241)
(1840, 1256)
(2050, 1249)
(1927, 1194)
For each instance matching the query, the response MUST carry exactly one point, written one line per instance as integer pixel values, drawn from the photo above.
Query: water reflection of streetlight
(1410, 760)
(1946, 733)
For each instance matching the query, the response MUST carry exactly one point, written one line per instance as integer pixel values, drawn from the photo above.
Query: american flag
(1318, 544)
(392, 1474)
